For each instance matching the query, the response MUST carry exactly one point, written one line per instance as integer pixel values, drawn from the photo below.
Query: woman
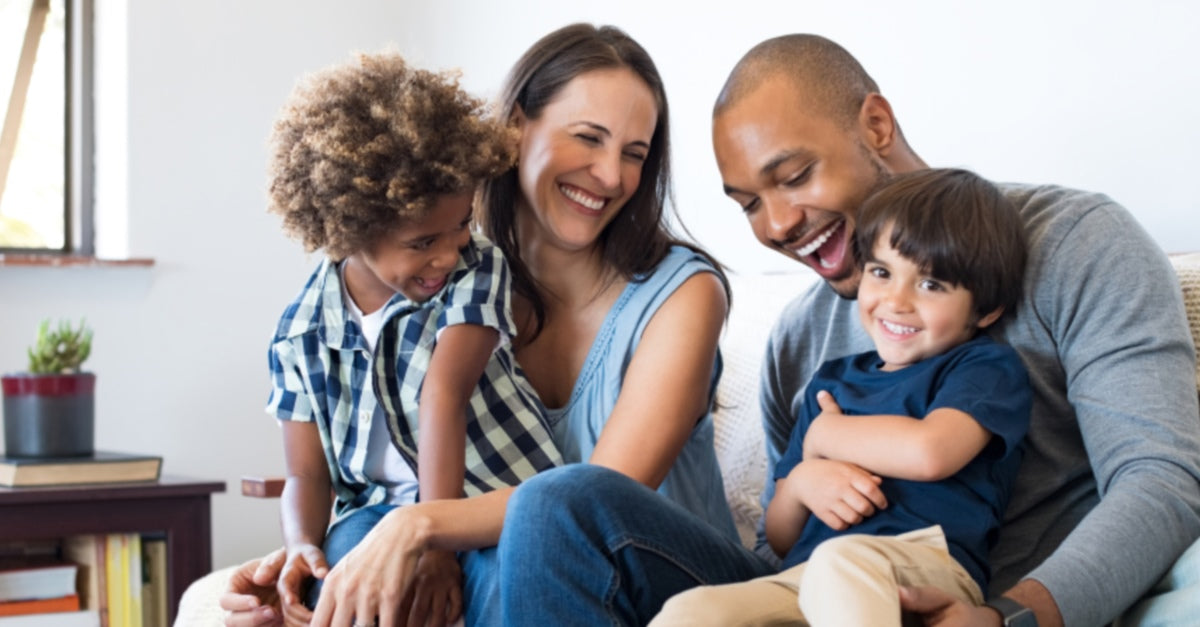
(619, 321)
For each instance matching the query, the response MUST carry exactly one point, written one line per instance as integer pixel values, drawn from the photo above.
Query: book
(83, 618)
(123, 572)
(99, 467)
(114, 590)
(88, 552)
(40, 606)
(154, 582)
(39, 581)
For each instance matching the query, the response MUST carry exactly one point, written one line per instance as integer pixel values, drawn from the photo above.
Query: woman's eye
(636, 156)
(588, 138)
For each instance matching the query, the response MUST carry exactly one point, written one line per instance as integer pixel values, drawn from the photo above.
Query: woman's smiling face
(581, 159)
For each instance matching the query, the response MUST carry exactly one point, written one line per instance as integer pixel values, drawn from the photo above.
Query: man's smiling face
(799, 176)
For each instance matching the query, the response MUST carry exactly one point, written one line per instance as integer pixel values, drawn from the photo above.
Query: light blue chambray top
(694, 482)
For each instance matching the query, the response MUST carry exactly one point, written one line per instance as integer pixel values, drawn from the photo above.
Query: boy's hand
(436, 595)
(303, 561)
(830, 410)
(839, 493)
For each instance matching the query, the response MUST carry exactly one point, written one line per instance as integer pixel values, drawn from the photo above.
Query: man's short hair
(828, 77)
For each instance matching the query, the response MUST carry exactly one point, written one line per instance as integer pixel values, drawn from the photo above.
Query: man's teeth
(812, 246)
(595, 204)
(897, 328)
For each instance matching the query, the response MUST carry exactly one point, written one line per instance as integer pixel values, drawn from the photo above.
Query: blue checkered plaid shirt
(319, 359)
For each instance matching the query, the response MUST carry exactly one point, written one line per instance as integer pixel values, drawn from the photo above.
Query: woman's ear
(517, 118)
(987, 320)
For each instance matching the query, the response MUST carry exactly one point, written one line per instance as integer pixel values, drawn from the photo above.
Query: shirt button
(364, 417)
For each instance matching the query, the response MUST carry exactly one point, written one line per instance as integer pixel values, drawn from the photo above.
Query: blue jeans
(584, 545)
(480, 594)
(1172, 602)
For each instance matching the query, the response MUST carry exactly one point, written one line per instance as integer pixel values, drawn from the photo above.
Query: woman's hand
(251, 598)
(371, 582)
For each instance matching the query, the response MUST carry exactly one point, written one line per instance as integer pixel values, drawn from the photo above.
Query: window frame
(79, 140)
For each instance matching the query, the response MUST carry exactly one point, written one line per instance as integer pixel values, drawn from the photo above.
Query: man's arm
(1110, 302)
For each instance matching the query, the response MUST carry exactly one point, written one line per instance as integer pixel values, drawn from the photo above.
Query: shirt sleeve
(481, 290)
(1114, 308)
(990, 384)
(289, 398)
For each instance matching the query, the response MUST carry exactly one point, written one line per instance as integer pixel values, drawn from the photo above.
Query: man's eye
(799, 178)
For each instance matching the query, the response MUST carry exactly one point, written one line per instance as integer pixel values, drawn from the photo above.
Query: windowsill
(70, 261)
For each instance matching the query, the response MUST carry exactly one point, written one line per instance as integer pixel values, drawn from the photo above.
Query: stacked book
(101, 580)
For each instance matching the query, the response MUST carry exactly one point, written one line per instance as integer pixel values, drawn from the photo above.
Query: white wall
(1098, 95)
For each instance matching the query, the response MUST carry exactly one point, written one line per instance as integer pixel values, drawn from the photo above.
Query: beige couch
(757, 301)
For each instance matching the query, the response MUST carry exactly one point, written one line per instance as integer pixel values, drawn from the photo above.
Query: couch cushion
(1188, 269)
(758, 300)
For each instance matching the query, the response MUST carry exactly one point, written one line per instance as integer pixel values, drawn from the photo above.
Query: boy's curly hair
(364, 147)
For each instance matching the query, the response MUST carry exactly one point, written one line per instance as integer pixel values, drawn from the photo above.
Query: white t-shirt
(383, 465)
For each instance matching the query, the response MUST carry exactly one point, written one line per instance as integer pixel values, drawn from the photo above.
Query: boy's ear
(987, 320)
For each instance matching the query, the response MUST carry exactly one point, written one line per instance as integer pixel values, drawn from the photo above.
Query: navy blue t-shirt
(981, 377)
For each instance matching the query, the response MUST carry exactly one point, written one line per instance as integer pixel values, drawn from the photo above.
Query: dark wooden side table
(175, 505)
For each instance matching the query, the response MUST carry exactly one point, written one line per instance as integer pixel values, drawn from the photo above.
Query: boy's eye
(932, 285)
(422, 244)
(878, 272)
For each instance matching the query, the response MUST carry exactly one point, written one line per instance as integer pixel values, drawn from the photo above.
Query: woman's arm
(927, 449)
(666, 388)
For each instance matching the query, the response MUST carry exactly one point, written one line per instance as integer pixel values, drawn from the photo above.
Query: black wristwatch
(1013, 614)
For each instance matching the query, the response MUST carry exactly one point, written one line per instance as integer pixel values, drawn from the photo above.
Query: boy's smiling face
(415, 258)
(909, 314)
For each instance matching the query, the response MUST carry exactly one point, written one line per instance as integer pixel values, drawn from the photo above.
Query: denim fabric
(585, 545)
(344, 535)
(481, 592)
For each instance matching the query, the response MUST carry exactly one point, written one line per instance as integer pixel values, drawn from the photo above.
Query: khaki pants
(848, 580)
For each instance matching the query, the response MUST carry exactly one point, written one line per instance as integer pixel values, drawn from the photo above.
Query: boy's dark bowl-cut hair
(956, 226)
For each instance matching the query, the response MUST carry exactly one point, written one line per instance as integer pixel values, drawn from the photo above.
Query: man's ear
(987, 320)
(878, 124)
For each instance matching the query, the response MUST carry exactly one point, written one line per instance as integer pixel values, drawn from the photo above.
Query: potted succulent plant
(49, 411)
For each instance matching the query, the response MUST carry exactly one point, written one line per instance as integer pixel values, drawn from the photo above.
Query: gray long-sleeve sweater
(1108, 494)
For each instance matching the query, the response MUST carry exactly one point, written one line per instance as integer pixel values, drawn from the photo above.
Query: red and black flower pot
(49, 415)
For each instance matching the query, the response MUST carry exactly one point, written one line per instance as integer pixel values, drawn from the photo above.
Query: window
(45, 140)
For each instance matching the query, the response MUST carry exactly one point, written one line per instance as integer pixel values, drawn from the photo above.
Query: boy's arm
(785, 519)
(926, 449)
(304, 508)
(458, 361)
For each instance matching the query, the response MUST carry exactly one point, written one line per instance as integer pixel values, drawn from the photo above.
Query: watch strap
(1013, 614)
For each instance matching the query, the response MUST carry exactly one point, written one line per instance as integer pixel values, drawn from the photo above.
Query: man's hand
(840, 494)
(251, 598)
(938, 609)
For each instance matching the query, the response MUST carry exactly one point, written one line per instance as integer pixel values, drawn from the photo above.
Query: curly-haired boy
(398, 346)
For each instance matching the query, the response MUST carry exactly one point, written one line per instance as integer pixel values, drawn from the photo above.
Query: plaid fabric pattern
(508, 435)
(318, 361)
